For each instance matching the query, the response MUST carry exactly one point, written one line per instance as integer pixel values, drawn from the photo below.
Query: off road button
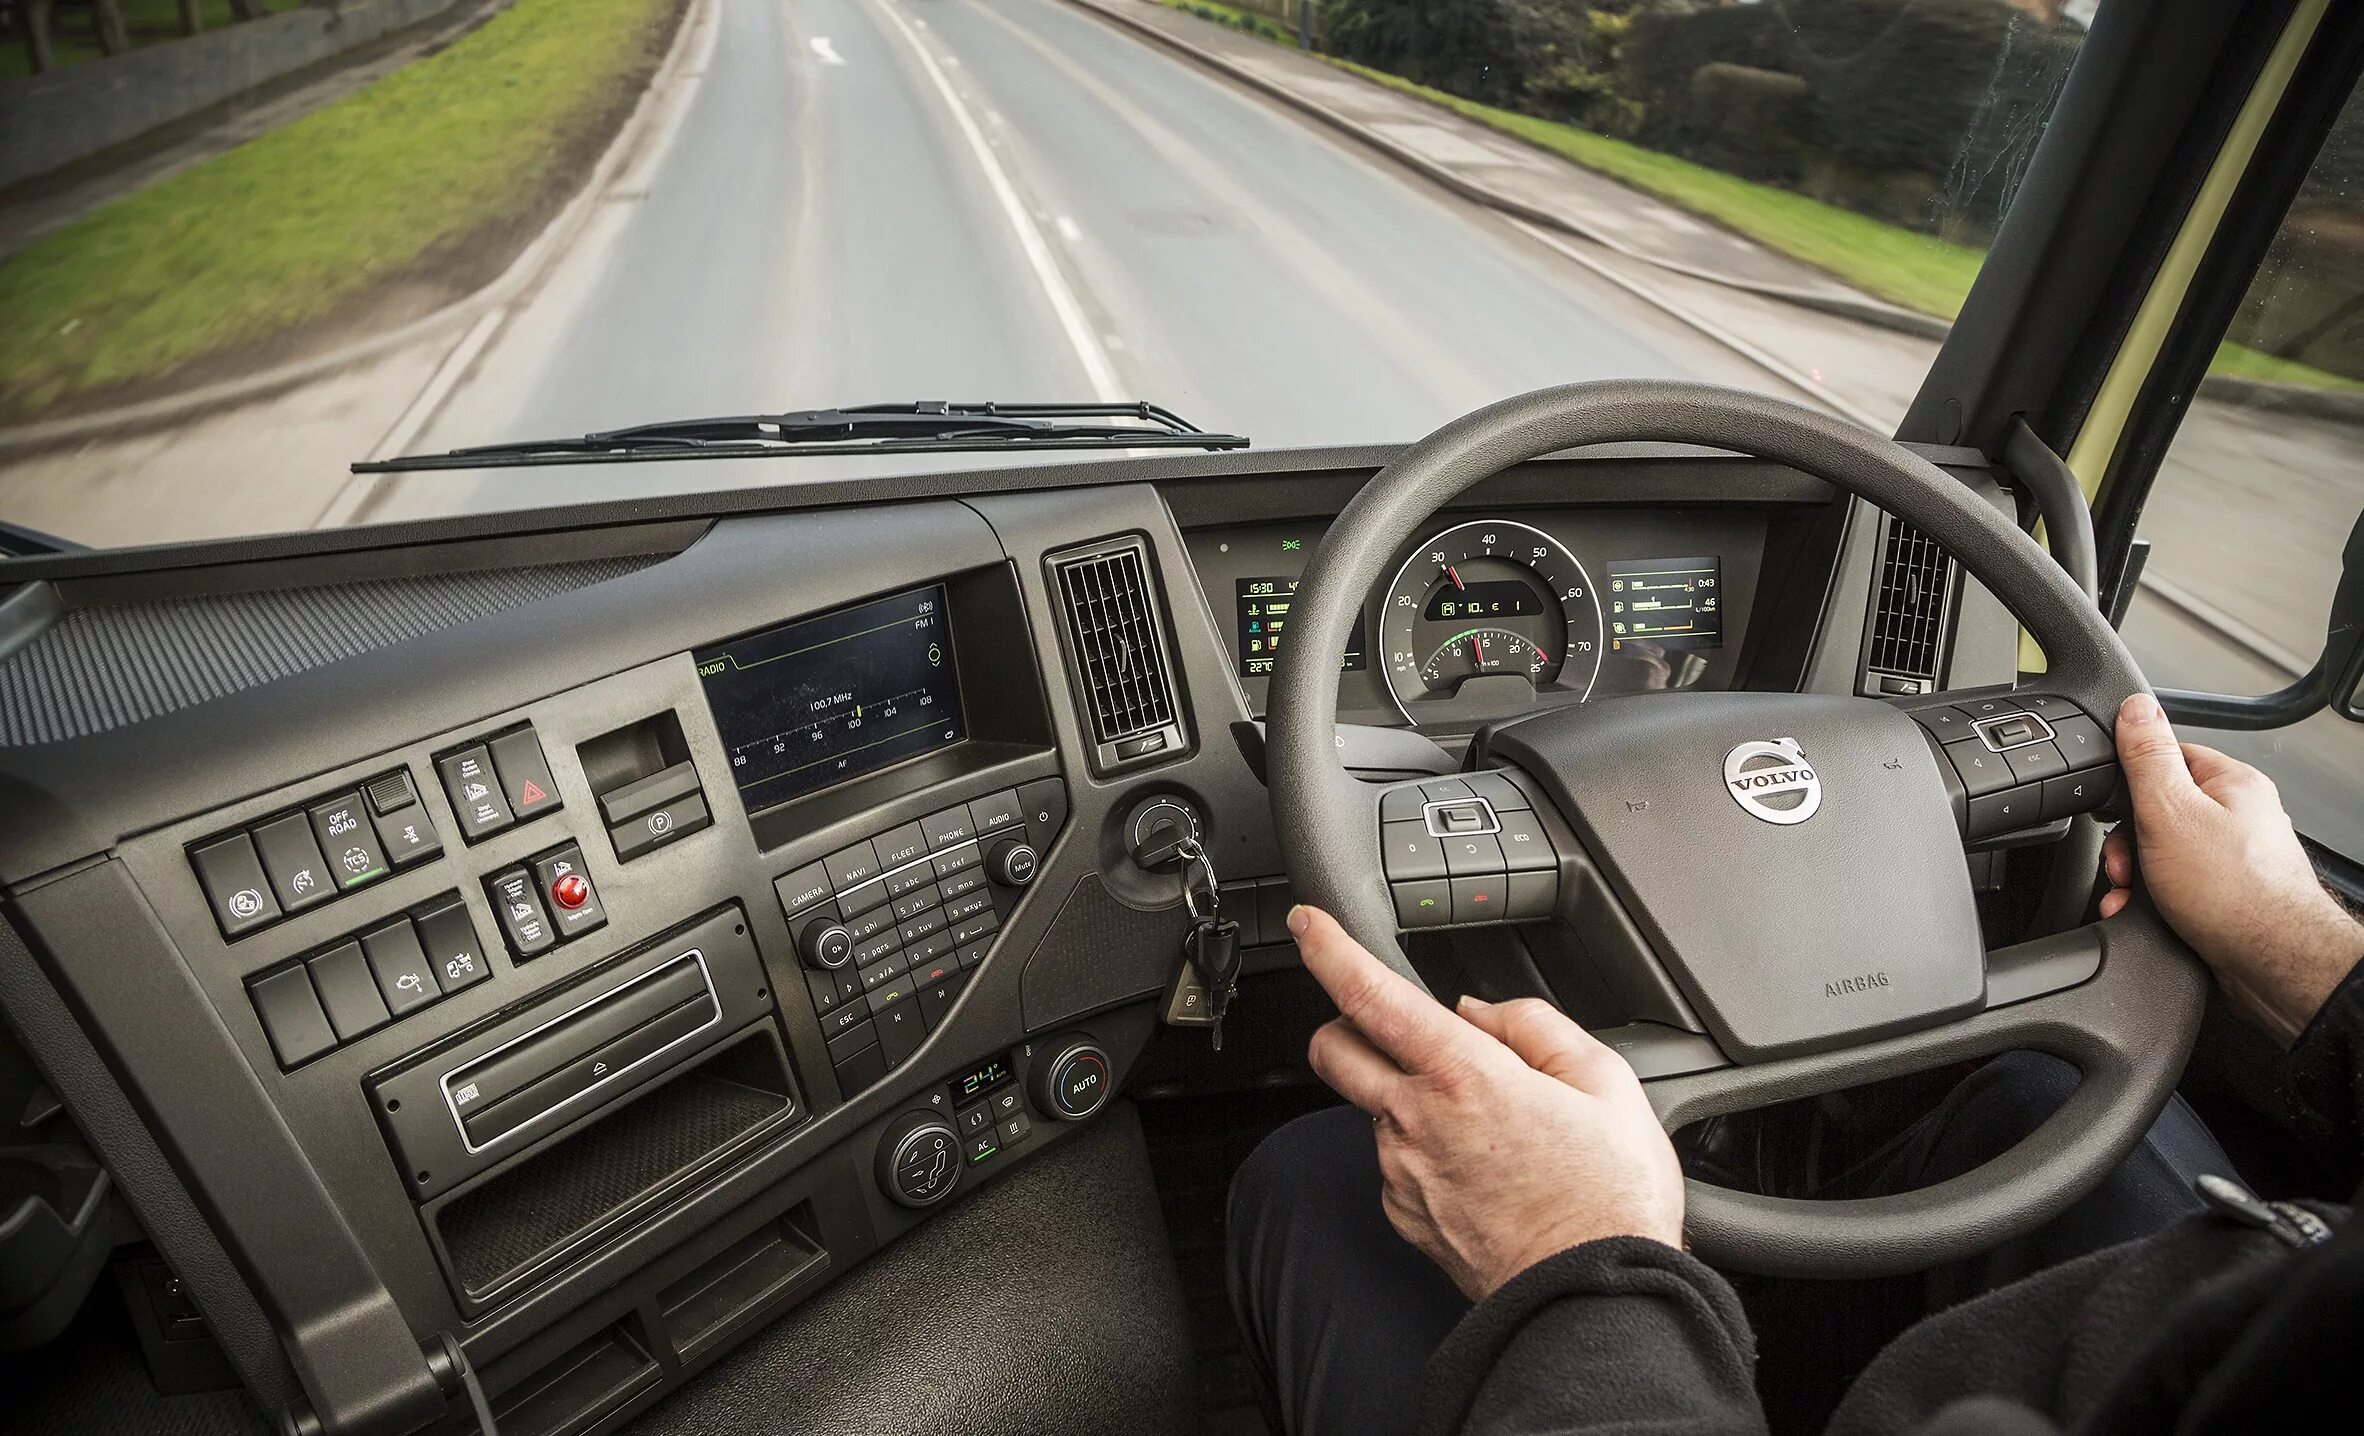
(291, 859)
(350, 841)
(525, 774)
(475, 794)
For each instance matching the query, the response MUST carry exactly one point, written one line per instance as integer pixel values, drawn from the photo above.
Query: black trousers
(1341, 1314)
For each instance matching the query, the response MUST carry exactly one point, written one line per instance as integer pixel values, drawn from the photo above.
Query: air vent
(1909, 612)
(1117, 651)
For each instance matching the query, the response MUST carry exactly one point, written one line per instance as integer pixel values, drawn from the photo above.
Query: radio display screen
(822, 700)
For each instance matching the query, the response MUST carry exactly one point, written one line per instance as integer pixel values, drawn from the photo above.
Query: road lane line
(826, 51)
(1069, 230)
(1099, 371)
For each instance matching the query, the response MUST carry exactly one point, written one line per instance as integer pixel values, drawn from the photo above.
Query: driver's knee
(1313, 1178)
(2003, 1103)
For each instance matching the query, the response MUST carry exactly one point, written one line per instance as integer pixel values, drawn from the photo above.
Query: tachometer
(1488, 600)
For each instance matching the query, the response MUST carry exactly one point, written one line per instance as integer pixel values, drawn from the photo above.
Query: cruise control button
(1423, 904)
(234, 884)
(900, 845)
(2077, 792)
(1981, 772)
(1408, 853)
(1471, 856)
(400, 966)
(1485, 899)
(524, 774)
(348, 993)
(519, 907)
(2034, 763)
(2005, 812)
(851, 867)
(350, 842)
(2082, 742)
(291, 1016)
(573, 904)
(448, 936)
(1525, 847)
(475, 794)
(995, 812)
(291, 859)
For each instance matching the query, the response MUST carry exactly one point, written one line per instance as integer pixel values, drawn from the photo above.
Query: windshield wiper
(923, 426)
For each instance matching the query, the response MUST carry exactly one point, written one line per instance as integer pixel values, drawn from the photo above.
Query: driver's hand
(2225, 867)
(1506, 1133)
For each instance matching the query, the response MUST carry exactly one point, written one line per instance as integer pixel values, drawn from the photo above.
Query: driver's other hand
(2225, 867)
(1507, 1134)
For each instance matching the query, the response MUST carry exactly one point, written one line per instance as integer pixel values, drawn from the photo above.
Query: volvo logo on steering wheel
(1773, 781)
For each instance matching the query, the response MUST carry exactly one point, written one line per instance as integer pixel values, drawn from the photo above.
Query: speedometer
(1500, 605)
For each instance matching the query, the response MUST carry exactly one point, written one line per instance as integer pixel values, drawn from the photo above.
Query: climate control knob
(918, 1160)
(1075, 1079)
(1011, 862)
(825, 944)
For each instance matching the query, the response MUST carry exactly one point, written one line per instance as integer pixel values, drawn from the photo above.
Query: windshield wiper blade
(922, 426)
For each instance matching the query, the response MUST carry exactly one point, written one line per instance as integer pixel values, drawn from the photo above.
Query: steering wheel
(1788, 869)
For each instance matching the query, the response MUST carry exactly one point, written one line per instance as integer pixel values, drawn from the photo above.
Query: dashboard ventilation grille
(1909, 611)
(1117, 646)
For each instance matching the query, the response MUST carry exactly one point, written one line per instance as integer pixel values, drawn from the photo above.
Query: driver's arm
(1519, 1153)
(2224, 865)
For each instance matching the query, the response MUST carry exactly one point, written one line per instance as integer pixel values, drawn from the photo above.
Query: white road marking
(826, 51)
(1069, 230)
(1099, 371)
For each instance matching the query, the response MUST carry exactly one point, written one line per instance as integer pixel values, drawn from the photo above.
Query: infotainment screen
(826, 699)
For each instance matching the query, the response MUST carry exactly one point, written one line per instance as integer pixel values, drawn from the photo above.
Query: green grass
(282, 231)
(1261, 26)
(150, 22)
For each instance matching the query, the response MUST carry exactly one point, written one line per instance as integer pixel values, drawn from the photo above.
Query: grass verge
(313, 219)
(1887, 261)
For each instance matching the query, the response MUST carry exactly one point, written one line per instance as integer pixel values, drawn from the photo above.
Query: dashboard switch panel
(519, 906)
(475, 795)
(235, 887)
(525, 774)
(567, 894)
(350, 840)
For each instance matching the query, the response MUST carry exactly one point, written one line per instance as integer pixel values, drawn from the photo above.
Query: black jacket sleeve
(1624, 1336)
(2327, 1075)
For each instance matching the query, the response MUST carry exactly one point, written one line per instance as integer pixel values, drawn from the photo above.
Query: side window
(2256, 498)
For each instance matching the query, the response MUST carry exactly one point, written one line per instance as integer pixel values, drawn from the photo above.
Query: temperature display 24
(830, 698)
(1671, 602)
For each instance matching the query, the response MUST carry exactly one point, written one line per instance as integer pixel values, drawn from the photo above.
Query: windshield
(248, 242)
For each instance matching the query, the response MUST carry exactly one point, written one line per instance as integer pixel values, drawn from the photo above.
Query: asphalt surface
(828, 225)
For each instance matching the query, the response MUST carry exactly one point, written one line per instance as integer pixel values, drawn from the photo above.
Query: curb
(1862, 308)
(148, 415)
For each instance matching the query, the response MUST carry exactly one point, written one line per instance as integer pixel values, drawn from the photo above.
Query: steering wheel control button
(2080, 792)
(1990, 707)
(1525, 846)
(1981, 772)
(2005, 812)
(448, 936)
(1495, 788)
(1409, 853)
(525, 774)
(2012, 730)
(1075, 1082)
(574, 906)
(519, 907)
(2047, 706)
(1485, 899)
(919, 1160)
(1427, 903)
(405, 978)
(351, 842)
(474, 792)
(349, 994)
(2082, 742)
(1402, 805)
(234, 884)
(1947, 722)
(1459, 817)
(2034, 762)
(291, 1016)
(1533, 895)
(1473, 857)
(292, 860)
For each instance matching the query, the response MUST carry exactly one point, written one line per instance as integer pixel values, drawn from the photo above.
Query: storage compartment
(741, 1285)
(574, 1392)
(588, 1188)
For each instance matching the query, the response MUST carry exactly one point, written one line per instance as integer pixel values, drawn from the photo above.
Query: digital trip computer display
(1672, 602)
(1264, 605)
(825, 699)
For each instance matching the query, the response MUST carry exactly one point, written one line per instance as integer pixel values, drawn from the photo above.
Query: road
(893, 199)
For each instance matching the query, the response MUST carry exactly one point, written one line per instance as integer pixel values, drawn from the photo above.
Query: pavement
(848, 201)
